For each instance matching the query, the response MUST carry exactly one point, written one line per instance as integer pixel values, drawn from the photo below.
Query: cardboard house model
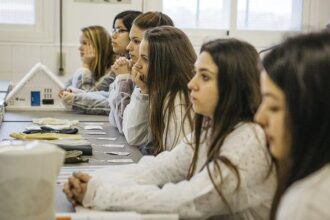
(38, 90)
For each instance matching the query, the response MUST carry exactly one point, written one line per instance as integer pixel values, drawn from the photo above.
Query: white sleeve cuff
(90, 194)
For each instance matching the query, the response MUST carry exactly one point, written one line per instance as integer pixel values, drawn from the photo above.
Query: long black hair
(300, 67)
(127, 17)
(238, 86)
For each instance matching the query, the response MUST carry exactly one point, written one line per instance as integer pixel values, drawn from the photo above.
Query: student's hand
(122, 66)
(67, 97)
(76, 187)
(89, 55)
(67, 191)
(74, 90)
(140, 80)
(60, 94)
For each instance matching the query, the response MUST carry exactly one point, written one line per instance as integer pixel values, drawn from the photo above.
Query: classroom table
(17, 121)
(27, 116)
(98, 150)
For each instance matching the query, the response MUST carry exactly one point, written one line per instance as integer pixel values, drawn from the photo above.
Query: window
(17, 12)
(260, 22)
(26, 20)
(199, 14)
(270, 15)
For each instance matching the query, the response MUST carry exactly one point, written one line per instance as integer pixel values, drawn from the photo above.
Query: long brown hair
(152, 19)
(238, 86)
(300, 68)
(104, 55)
(171, 63)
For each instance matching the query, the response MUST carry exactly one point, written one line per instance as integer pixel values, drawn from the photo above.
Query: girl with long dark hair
(222, 169)
(295, 113)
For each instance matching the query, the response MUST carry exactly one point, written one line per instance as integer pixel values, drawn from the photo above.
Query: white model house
(38, 90)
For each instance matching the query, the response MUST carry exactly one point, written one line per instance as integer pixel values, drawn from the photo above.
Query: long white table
(27, 116)
(98, 149)
(17, 121)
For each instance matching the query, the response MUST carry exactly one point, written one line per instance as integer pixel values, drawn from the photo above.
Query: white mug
(28, 179)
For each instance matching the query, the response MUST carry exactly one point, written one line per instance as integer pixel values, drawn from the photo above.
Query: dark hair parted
(300, 67)
(238, 88)
(152, 19)
(127, 18)
(171, 64)
(104, 55)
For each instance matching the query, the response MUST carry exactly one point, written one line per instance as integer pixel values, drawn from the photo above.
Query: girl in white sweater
(222, 169)
(295, 113)
(156, 115)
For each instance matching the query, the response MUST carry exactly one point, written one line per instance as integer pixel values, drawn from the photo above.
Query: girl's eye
(274, 108)
(205, 77)
(136, 41)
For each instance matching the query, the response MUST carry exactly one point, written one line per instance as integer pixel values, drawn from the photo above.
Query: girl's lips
(192, 98)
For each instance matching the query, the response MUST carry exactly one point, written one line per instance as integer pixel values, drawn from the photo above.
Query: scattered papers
(54, 121)
(113, 145)
(93, 127)
(67, 171)
(108, 139)
(93, 123)
(119, 153)
(96, 133)
(120, 161)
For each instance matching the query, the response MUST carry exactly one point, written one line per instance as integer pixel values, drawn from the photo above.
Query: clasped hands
(76, 186)
(123, 66)
(67, 95)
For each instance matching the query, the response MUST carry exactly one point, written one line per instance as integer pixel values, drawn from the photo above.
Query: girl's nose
(129, 47)
(260, 116)
(192, 84)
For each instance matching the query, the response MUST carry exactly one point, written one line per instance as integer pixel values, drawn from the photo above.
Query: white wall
(16, 59)
(320, 14)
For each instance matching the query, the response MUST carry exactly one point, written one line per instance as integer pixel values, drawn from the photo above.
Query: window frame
(41, 31)
(258, 38)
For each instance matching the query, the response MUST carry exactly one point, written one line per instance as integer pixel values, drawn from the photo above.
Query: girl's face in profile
(119, 37)
(271, 116)
(85, 44)
(204, 86)
(142, 64)
(135, 36)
